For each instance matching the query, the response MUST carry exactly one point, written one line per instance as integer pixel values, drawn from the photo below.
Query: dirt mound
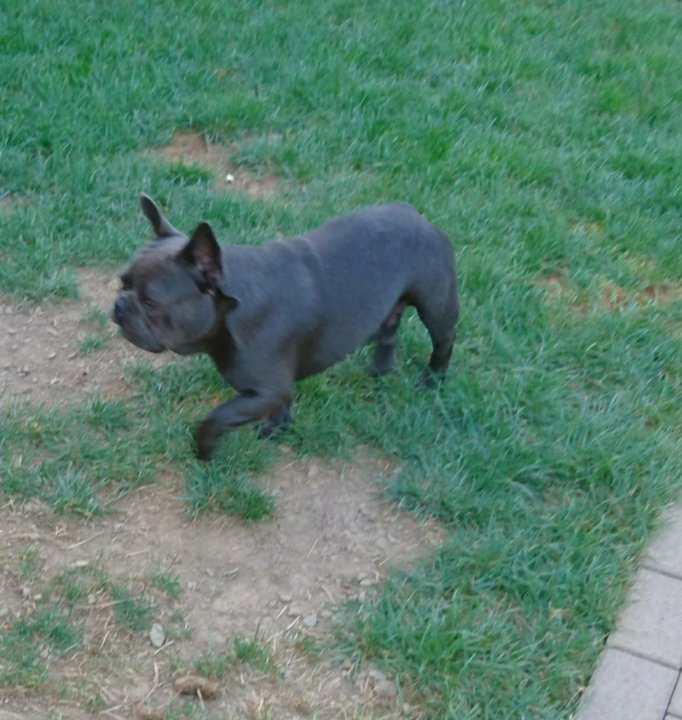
(332, 538)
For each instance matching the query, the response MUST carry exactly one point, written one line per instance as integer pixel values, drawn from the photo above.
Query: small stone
(376, 675)
(298, 609)
(385, 690)
(229, 178)
(157, 635)
(285, 597)
(367, 582)
(92, 599)
(26, 591)
(310, 620)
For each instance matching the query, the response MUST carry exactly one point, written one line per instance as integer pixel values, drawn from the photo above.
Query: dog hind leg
(440, 320)
(384, 350)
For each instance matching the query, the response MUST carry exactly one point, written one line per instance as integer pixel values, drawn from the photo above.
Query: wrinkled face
(160, 306)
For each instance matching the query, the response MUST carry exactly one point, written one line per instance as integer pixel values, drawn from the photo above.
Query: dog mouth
(137, 329)
(145, 341)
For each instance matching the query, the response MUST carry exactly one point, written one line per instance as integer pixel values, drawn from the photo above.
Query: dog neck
(220, 343)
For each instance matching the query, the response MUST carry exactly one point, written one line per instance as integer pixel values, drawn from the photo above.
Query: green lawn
(543, 136)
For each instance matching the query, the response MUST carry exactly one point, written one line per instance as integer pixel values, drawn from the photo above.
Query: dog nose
(119, 309)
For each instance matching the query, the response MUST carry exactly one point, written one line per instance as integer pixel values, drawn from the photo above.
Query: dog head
(172, 291)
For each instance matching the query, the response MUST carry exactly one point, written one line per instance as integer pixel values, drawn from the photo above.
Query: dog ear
(203, 254)
(161, 226)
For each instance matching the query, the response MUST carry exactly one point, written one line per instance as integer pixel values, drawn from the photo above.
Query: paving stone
(676, 702)
(663, 552)
(626, 687)
(651, 624)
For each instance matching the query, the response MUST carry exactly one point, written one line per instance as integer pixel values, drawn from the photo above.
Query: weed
(178, 627)
(312, 648)
(30, 640)
(167, 583)
(214, 665)
(71, 491)
(75, 585)
(253, 652)
(133, 612)
(92, 343)
(29, 561)
(95, 316)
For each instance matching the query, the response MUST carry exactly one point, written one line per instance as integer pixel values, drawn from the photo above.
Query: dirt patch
(664, 293)
(612, 296)
(63, 351)
(12, 201)
(332, 538)
(557, 288)
(554, 283)
(616, 298)
(194, 149)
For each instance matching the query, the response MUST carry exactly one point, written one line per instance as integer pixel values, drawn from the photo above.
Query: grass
(30, 640)
(101, 332)
(58, 609)
(247, 651)
(167, 583)
(543, 137)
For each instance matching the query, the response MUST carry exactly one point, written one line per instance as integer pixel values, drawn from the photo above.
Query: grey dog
(271, 315)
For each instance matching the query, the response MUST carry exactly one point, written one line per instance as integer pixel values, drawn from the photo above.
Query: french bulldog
(271, 315)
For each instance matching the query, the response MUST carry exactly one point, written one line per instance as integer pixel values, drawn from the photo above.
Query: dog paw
(275, 424)
(265, 430)
(206, 440)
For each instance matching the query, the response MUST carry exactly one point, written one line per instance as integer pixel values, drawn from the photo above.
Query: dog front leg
(246, 407)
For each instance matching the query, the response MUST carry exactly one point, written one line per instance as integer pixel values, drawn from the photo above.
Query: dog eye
(149, 302)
